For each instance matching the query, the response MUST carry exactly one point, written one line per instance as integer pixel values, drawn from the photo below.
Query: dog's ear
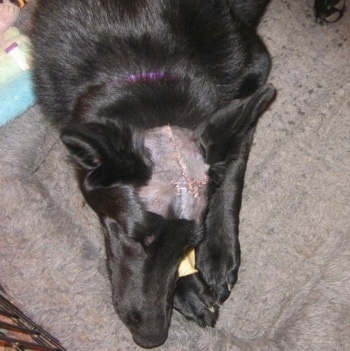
(109, 154)
(220, 139)
(84, 145)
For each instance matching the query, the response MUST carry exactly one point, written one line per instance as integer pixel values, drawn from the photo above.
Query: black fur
(93, 65)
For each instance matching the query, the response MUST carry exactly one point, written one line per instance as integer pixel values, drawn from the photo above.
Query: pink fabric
(8, 16)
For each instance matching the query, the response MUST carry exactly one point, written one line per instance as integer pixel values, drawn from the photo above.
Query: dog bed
(293, 291)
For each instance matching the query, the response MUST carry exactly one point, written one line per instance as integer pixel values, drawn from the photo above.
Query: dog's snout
(149, 326)
(148, 340)
(147, 331)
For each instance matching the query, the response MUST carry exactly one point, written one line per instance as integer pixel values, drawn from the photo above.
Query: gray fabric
(293, 291)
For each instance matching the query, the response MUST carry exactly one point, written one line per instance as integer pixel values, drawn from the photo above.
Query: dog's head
(144, 249)
(143, 266)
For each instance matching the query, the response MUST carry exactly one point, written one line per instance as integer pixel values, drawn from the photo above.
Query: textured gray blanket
(293, 291)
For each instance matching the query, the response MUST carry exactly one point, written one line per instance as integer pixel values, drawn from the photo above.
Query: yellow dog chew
(187, 265)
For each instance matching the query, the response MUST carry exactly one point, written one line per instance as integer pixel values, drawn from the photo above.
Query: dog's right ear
(109, 154)
(221, 138)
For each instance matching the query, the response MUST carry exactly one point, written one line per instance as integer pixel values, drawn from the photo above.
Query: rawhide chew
(187, 265)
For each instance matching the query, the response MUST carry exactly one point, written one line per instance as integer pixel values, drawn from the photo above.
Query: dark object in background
(18, 332)
(328, 11)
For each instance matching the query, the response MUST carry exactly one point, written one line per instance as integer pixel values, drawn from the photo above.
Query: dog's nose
(150, 341)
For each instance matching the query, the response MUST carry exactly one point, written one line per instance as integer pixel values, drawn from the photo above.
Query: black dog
(108, 70)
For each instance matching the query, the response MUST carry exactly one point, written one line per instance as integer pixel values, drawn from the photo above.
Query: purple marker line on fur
(149, 76)
(152, 76)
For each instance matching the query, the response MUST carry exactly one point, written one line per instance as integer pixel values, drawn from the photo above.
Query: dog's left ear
(109, 154)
